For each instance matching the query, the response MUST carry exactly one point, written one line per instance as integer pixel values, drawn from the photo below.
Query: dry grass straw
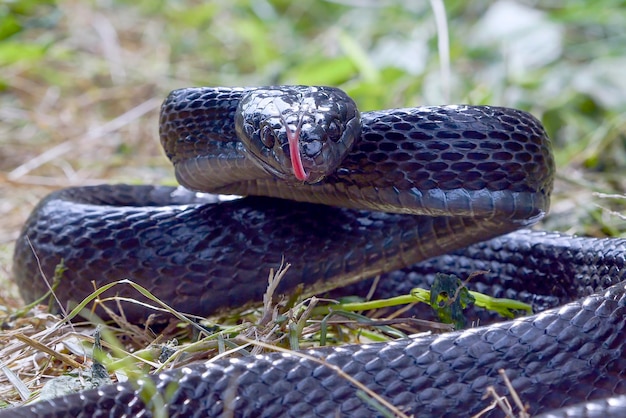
(85, 114)
(41, 346)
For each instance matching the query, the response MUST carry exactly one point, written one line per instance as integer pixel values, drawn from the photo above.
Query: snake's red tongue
(294, 151)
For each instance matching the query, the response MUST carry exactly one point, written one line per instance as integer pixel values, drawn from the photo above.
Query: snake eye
(334, 130)
(267, 136)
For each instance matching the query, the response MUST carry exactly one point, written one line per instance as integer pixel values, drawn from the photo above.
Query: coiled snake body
(405, 185)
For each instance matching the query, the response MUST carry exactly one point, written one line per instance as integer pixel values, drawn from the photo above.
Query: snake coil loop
(344, 196)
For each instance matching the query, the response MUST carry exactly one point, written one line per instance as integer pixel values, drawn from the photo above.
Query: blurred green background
(81, 81)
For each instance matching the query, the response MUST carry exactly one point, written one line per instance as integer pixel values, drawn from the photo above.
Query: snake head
(298, 133)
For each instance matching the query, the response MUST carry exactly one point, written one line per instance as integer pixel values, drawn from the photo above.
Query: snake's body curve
(450, 175)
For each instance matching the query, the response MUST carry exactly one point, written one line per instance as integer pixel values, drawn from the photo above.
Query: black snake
(398, 187)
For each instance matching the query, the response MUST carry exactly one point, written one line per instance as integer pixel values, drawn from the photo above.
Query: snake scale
(344, 196)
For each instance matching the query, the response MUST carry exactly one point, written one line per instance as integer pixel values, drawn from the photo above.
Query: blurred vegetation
(87, 62)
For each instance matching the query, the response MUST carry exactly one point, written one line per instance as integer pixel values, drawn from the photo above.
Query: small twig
(58, 274)
(518, 402)
(502, 401)
(273, 281)
(41, 347)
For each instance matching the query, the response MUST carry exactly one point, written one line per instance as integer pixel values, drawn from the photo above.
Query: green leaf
(328, 72)
(15, 52)
(9, 26)
(448, 297)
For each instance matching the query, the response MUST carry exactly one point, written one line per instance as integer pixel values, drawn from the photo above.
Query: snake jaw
(294, 151)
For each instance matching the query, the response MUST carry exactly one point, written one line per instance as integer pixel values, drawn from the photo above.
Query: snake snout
(323, 147)
(299, 135)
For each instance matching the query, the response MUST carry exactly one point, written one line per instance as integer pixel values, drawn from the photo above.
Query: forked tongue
(294, 151)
